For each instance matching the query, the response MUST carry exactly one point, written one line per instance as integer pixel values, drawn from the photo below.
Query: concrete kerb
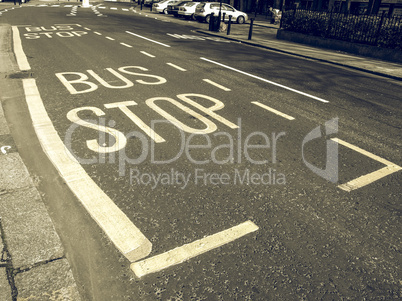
(32, 263)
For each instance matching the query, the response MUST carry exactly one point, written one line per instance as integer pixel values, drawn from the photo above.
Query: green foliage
(373, 30)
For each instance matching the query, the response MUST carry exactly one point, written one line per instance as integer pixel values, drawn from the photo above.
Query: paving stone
(13, 173)
(29, 231)
(52, 281)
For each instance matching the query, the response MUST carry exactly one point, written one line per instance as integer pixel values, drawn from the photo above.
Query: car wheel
(193, 17)
(240, 20)
(165, 11)
(208, 18)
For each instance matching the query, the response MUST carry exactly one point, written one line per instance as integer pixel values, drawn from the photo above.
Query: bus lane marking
(265, 80)
(191, 250)
(273, 110)
(367, 179)
(21, 58)
(126, 237)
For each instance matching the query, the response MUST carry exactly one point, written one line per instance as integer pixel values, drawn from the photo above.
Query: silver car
(203, 12)
(187, 10)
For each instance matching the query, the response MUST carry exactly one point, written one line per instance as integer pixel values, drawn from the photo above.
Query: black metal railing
(377, 30)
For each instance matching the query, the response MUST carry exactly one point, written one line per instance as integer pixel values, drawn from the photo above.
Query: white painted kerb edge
(121, 231)
(21, 58)
(127, 238)
(188, 251)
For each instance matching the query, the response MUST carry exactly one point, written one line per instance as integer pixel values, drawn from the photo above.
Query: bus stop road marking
(188, 251)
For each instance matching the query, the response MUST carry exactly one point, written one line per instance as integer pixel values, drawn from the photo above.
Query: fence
(376, 30)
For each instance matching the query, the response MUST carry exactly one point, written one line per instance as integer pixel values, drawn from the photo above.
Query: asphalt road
(197, 136)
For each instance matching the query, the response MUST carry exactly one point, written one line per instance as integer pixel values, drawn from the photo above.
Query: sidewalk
(264, 35)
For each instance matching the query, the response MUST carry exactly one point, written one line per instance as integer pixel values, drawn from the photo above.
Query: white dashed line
(109, 38)
(216, 84)
(129, 32)
(273, 110)
(177, 67)
(86, 28)
(146, 53)
(265, 80)
(98, 33)
(127, 45)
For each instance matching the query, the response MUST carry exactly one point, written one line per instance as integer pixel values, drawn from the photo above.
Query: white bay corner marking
(265, 80)
(371, 177)
(191, 250)
(127, 238)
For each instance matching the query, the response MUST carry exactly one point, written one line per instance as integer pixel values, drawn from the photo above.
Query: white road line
(127, 238)
(98, 33)
(125, 9)
(273, 110)
(216, 84)
(109, 38)
(20, 56)
(371, 177)
(146, 53)
(129, 32)
(113, 8)
(117, 226)
(86, 28)
(175, 66)
(124, 44)
(188, 251)
(265, 80)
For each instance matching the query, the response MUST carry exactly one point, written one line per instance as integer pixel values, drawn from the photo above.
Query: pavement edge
(33, 264)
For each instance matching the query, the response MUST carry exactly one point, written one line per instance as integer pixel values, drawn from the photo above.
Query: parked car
(188, 9)
(203, 12)
(161, 7)
(150, 2)
(173, 8)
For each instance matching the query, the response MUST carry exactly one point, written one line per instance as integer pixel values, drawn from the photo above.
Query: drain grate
(22, 74)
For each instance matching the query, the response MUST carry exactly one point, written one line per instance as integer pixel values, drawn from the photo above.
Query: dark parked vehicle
(173, 8)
